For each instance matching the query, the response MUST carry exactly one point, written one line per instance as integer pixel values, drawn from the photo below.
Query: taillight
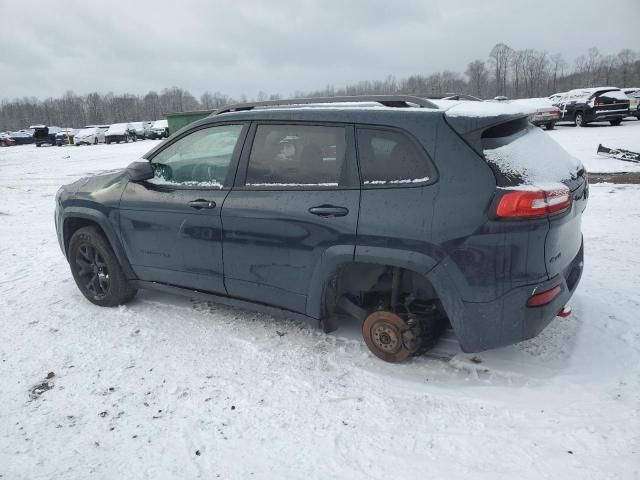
(543, 298)
(533, 202)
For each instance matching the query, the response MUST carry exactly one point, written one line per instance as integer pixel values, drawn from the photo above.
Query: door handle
(329, 211)
(200, 203)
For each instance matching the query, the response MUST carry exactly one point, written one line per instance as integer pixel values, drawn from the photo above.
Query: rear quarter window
(391, 158)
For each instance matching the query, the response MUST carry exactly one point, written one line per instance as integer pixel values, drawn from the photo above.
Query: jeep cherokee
(408, 215)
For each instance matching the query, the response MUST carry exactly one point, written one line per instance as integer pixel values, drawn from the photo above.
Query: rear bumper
(606, 115)
(508, 319)
(116, 138)
(538, 120)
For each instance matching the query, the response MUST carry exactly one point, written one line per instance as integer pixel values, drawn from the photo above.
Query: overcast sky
(234, 47)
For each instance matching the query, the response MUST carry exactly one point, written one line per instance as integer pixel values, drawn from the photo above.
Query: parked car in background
(142, 129)
(545, 114)
(43, 135)
(159, 129)
(306, 203)
(6, 140)
(546, 117)
(22, 137)
(633, 94)
(65, 136)
(556, 97)
(601, 104)
(120, 132)
(90, 135)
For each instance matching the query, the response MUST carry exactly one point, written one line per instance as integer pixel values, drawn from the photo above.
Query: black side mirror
(138, 171)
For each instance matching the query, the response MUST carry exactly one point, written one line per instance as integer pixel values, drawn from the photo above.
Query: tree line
(506, 71)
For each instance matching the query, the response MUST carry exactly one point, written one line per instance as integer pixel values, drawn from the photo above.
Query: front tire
(96, 269)
(550, 126)
(616, 122)
(580, 122)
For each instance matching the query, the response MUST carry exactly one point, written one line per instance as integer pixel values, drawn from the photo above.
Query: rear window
(527, 156)
(388, 158)
(612, 94)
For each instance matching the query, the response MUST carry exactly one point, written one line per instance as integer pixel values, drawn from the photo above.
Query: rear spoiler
(471, 119)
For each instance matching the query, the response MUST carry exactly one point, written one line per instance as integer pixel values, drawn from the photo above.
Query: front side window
(201, 159)
(391, 158)
(296, 156)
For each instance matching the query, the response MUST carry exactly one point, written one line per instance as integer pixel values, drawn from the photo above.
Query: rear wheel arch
(363, 273)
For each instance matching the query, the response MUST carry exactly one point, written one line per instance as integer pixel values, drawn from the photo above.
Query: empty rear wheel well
(371, 286)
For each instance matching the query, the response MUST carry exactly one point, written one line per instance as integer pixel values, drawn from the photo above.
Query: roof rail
(398, 101)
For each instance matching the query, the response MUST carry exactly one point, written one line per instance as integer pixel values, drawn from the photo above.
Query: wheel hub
(92, 271)
(386, 337)
(383, 333)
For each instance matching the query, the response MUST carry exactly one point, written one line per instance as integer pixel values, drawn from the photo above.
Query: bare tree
(478, 76)
(499, 57)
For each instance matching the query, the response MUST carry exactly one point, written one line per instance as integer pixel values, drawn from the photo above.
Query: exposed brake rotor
(385, 333)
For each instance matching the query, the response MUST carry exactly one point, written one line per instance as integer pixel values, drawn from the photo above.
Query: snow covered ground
(167, 387)
(583, 143)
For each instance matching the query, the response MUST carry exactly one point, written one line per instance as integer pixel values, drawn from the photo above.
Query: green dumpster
(178, 120)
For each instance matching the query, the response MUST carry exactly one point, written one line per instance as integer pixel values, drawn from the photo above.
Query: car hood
(98, 182)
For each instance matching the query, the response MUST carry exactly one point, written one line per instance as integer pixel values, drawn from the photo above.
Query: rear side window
(296, 156)
(388, 157)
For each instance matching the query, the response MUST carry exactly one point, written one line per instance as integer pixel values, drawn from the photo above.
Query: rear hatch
(609, 102)
(526, 159)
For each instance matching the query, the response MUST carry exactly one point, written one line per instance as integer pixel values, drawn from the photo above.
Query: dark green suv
(405, 214)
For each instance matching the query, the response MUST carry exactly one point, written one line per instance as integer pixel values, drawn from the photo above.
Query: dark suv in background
(406, 216)
(586, 105)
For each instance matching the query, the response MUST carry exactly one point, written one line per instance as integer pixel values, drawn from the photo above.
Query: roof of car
(592, 89)
(327, 113)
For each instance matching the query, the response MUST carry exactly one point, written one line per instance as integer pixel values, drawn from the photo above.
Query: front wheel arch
(82, 217)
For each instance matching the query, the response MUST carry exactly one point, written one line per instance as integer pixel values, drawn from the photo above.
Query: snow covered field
(167, 387)
(583, 143)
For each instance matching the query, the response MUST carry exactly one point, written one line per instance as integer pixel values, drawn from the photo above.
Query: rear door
(295, 203)
(398, 195)
(170, 225)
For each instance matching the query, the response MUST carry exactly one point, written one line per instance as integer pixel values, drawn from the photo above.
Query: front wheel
(616, 122)
(550, 125)
(96, 269)
(580, 120)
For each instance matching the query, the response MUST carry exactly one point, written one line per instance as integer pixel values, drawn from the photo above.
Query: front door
(295, 202)
(170, 225)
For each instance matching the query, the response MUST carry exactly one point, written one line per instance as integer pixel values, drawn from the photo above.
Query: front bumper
(84, 140)
(508, 319)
